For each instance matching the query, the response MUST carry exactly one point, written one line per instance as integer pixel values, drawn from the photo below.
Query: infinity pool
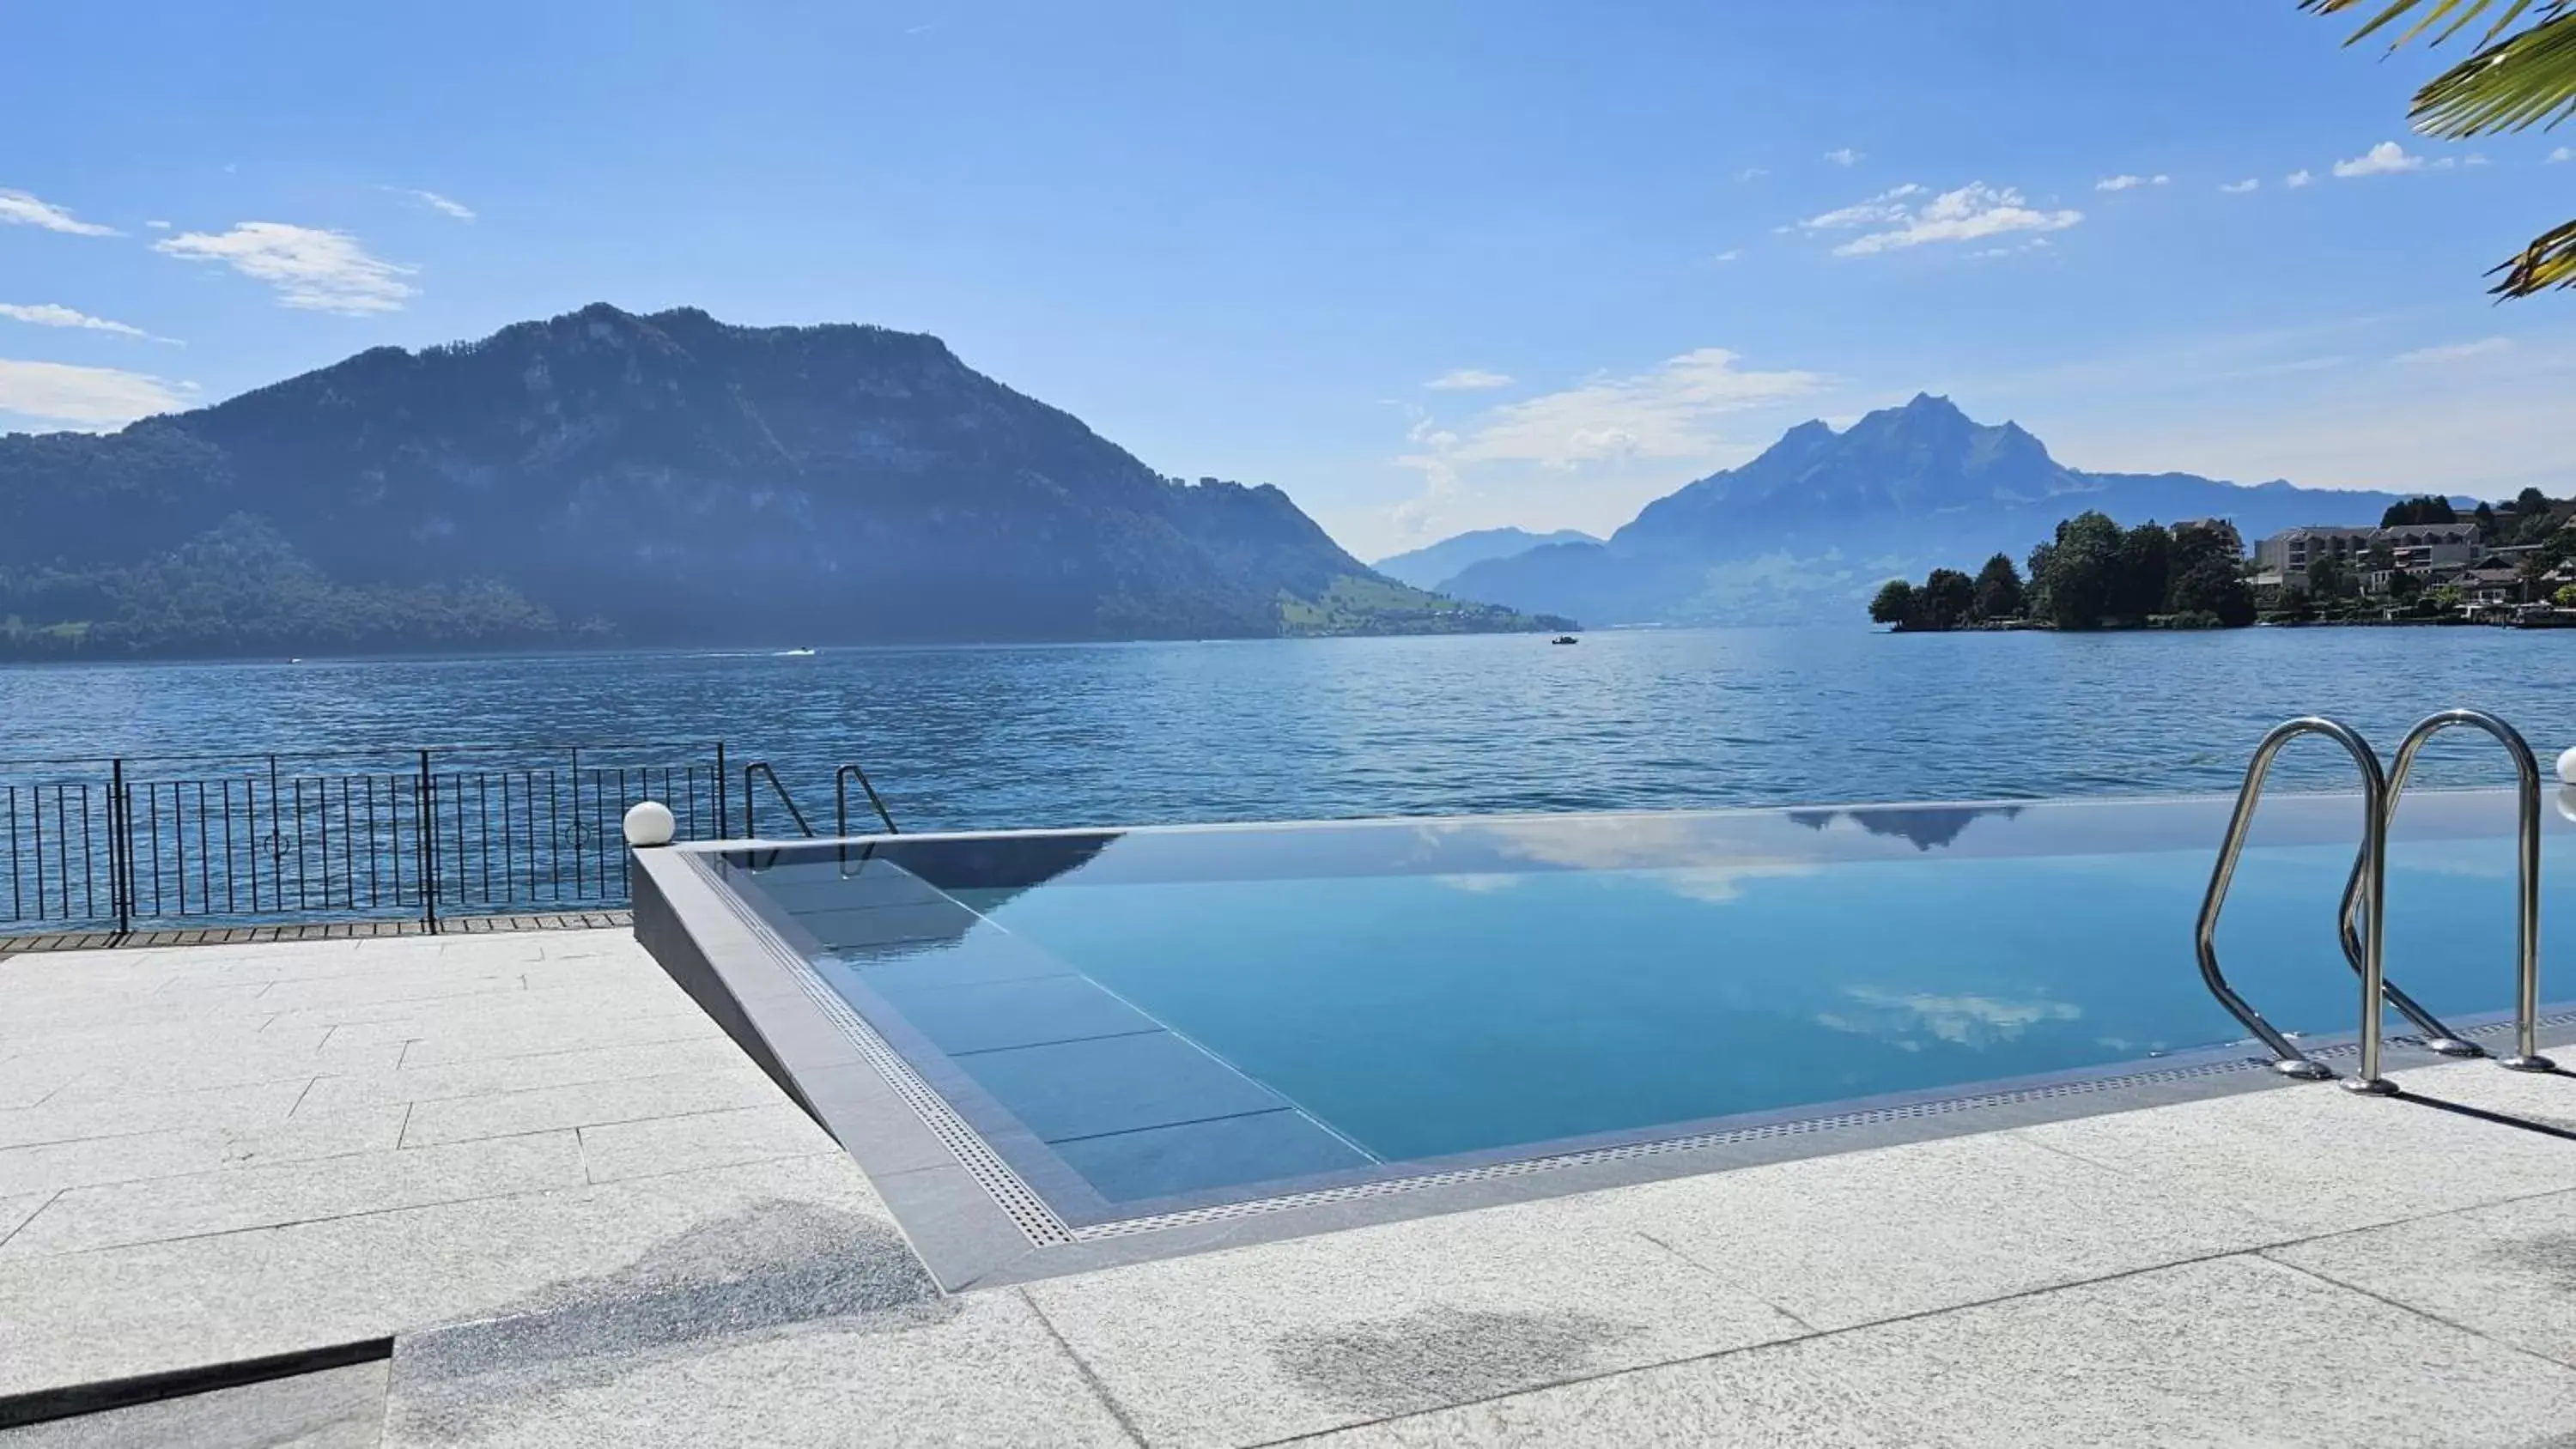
(1145, 1021)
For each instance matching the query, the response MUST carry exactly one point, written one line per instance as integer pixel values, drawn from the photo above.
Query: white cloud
(158, 225)
(92, 396)
(1845, 156)
(2297, 179)
(2385, 159)
(1970, 213)
(20, 209)
(312, 269)
(54, 314)
(434, 201)
(1468, 379)
(2456, 351)
(2239, 188)
(1730, 254)
(1751, 173)
(1661, 413)
(2124, 182)
(2563, 153)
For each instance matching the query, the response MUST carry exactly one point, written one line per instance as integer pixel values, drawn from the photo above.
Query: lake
(1119, 734)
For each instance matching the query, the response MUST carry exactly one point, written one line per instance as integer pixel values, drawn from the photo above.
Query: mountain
(665, 479)
(1821, 518)
(1433, 565)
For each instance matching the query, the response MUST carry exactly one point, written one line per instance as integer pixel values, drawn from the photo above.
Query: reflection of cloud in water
(1961, 1020)
(1674, 851)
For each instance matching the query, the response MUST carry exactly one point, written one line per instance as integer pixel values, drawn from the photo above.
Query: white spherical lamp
(650, 823)
(2567, 767)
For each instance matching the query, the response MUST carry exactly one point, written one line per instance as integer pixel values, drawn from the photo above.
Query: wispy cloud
(86, 396)
(2385, 159)
(1970, 213)
(313, 270)
(2125, 183)
(55, 314)
(2297, 179)
(1664, 412)
(1846, 156)
(158, 225)
(2455, 351)
(17, 208)
(446, 206)
(1730, 254)
(2563, 153)
(2239, 188)
(1468, 379)
(1752, 173)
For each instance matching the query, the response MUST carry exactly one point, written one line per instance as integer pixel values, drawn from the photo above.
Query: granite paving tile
(2236, 1350)
(2507, 1271)
(70, 1318)
(86, 1218)
(973, 1371)
(537, 1109)
(1862, 1236)
(257, 1104)
(424, 1084)
(341, 1408)
(1320, 1333)
(2321, 1159)
(703, 1140)
(179, 1151)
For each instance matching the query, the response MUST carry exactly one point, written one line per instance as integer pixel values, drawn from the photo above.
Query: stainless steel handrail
(2373, 869)
(2526, 1002)
(841, 799)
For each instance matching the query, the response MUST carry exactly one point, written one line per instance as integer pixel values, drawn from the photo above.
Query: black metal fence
(126, 843)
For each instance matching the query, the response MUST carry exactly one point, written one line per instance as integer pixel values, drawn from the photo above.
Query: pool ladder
(2365, 897)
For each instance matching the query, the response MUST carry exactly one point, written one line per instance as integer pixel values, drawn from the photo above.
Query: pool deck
(583, 1217)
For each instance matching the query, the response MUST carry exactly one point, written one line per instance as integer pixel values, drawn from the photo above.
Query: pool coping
(974, 1223)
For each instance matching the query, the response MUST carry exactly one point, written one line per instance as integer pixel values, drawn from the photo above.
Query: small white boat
(796, 654)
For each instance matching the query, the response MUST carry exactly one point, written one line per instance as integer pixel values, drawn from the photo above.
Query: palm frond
(2526, 81)
(2550, 261)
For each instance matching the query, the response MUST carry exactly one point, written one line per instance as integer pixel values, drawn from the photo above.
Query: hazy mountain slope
(1432, 565)
(662, 479)
(1821, 518)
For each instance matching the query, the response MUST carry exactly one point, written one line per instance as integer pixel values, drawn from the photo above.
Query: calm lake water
(1144, 733)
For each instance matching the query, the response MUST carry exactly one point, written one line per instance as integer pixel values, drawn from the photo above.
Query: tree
(1947, 598)
(2511, 80)
(1895, 604)
(2403, 586)
(2328, 578)
(2530, 503)
(2407, 512)
(2145, 571)
(2485, 519)
(2072, 576)
(2212, 584)
(1999, 591)
(2379, 557)
(2565, 598)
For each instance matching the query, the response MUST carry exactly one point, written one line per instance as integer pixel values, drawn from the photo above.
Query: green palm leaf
(2511, 82)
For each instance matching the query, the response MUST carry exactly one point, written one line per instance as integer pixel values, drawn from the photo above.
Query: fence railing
(125, 843)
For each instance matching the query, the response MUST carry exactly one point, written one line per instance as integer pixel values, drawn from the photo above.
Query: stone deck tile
(588, 1104)
(93, 1161)
(71, 1318)
(981, 1370)
(703, 1140)
(1300, 1336)
(258, 1104)
(83, 1219)
(2507, 1271)
(2321, 1159)
(2237, 1350)
(438, 1083)
(341, 1408)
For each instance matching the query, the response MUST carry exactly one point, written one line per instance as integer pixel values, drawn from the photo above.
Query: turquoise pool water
(1151, 1019)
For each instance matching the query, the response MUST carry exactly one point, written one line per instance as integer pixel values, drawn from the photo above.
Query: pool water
(1148, 1020)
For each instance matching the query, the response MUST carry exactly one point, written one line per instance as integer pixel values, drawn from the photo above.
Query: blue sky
(1634, 240)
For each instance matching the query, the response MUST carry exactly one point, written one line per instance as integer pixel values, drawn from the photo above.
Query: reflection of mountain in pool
(1928, 826)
